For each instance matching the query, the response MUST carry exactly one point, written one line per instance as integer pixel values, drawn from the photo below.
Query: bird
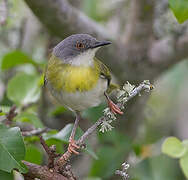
(77, 79)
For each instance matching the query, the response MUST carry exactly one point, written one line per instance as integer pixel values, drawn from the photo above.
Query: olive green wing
(105, 74)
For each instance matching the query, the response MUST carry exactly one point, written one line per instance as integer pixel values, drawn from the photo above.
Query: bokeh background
(137, 136)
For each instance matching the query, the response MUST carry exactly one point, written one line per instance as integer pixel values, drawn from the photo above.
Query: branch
(51, 151)
(10, 115)
(62, 19)
(124, 99)
(35, 132)
(139, 28)
(49, 172)
(3, 12)
(42, 172)
(169, 51)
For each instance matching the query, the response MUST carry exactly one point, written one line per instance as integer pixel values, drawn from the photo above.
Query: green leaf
(2, 113)
(173, 147)
(12, 149)
(33, 154)
(64, 135)
(16, 58)
(94, 113)
(180, 9)
(23, 89)
(57, 143)
(6, 176)
(184, 164)
(29, 117)
(41, 80)
(185, 143)
(109, 160)
(93, 178)
(110, 157)
(58, 110)
(156, 168)
(5, 109)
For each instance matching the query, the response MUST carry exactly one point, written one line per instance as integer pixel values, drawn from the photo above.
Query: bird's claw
(114, 108)
(72, 146)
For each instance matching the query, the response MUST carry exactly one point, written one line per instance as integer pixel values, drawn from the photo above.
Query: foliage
(63, 136)
(12, 149)
(23, 89)
(6, 175)
(145, 170)
(180, 9)
(174, 148)
(33, 154)
(16, 58)
(118, 146)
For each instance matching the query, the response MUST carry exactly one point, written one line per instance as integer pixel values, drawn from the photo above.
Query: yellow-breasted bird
(77, 79)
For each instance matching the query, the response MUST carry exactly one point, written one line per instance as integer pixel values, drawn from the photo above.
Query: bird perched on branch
(77, 79)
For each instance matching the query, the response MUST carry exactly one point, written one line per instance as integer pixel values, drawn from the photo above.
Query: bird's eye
(79, 45)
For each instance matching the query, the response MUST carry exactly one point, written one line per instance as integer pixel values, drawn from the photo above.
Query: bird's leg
(113, 107)
(72, 142)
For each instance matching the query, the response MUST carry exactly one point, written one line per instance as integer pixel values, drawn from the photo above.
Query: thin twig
(35, 132)
(51, 152)
(11, 115)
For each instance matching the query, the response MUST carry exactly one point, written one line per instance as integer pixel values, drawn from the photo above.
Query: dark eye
(80, 45)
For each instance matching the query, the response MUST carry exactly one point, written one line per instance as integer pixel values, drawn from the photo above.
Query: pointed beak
(101, 43)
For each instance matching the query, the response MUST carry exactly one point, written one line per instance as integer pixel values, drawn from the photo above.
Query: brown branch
(62, 19)
(11, 115)
(51, 152)
(42, 172)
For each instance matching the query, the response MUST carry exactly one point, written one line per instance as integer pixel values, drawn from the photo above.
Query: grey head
(75, 45)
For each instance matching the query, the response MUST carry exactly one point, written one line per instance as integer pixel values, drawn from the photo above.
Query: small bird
(77, 79)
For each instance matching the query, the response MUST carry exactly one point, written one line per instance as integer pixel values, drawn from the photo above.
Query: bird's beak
(101, 43)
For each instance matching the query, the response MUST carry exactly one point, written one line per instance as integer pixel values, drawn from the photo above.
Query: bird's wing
(105, 74)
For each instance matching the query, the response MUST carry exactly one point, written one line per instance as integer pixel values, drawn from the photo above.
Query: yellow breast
(65, 77)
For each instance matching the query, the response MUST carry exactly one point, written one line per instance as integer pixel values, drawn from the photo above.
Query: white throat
(85, 58)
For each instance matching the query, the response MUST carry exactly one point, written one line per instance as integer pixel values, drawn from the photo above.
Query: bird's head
(78, 49)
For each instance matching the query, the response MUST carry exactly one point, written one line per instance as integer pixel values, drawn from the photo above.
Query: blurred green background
(24, 49)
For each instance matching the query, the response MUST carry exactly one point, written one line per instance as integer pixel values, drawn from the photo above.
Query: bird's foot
(114, 108)
(73, 146)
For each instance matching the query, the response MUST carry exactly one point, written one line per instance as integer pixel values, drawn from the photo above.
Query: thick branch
(166, 52)
(139, 28)
(63, 19)
(42, 172)
(3, 12)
